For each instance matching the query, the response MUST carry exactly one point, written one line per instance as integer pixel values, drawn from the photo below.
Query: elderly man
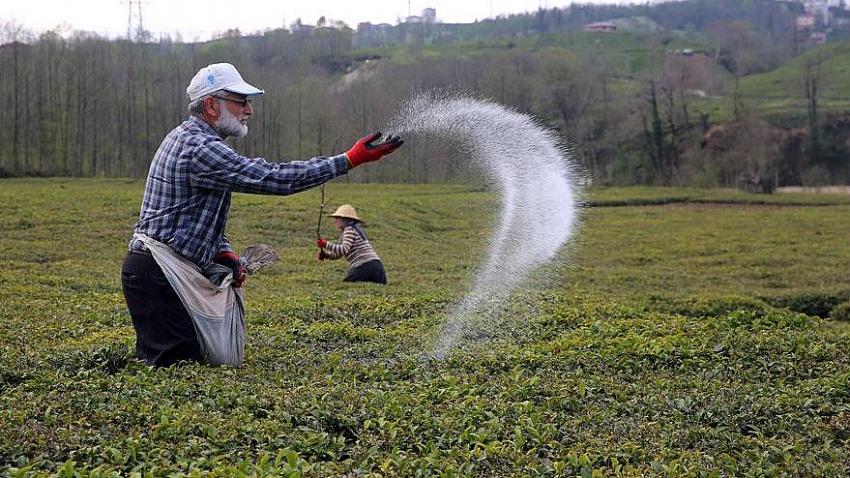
(187, 197)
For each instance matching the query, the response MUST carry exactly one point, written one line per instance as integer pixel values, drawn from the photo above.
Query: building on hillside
(600, 27)
(805, 21)
(298, 27)
(13, 45)
(818, 38)
(818, 8)
(369, 35)
(429, 15)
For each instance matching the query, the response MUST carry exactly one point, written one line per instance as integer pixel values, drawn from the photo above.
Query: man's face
(234, 111)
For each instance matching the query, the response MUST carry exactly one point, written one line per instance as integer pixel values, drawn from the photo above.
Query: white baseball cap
(219, 76)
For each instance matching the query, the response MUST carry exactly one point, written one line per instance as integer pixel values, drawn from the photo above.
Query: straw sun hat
(347, 212)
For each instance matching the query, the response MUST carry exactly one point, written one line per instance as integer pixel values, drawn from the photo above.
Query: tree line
(90, 106)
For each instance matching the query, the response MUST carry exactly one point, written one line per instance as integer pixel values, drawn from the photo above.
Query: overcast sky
(197, 20)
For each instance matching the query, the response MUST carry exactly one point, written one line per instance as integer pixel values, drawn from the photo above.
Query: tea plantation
(683, 333)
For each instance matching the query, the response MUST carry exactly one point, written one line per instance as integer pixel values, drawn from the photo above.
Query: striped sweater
(356, 250)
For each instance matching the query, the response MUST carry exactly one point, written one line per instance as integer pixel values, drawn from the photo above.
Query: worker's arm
(224, 245)
(335, 250)
(217, 166)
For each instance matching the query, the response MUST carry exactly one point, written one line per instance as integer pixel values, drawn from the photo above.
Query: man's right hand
(231, 260)
(365, 150)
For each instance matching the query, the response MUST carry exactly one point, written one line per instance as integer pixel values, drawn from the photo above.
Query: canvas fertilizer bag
(216, 308)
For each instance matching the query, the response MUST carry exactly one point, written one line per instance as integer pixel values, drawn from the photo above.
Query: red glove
(365, 150)
(231, 260)
(321, 243)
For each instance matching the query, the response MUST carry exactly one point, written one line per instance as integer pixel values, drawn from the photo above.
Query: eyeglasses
(243, 102)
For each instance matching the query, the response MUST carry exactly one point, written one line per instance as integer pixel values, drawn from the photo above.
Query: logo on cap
(211, 80)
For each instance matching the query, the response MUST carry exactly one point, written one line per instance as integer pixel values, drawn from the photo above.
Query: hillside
(781, 93)
(628, 54)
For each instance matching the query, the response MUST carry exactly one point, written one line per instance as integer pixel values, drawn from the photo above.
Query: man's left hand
(231, 260)
(368, 149)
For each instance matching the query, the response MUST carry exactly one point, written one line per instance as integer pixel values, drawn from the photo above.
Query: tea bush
(668, 340)
(841, 312)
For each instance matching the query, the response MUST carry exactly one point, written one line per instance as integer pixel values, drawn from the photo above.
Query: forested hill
(694, 92)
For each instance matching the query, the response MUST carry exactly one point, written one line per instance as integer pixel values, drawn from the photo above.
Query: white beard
(229, 125)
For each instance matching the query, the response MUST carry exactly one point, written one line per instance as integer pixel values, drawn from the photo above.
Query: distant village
(815, 20)
(369, 34)
(819, 17)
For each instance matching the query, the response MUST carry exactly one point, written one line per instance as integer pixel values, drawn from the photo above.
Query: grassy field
(628, 55)
(684, 333)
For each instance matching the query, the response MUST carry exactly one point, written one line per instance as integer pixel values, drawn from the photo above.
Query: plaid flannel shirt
(191, 177)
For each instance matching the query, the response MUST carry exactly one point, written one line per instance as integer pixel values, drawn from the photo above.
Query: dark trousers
(372, 271)
(164, 331)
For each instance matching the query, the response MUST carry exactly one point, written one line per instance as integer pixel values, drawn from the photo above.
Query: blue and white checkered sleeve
(217, 166)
